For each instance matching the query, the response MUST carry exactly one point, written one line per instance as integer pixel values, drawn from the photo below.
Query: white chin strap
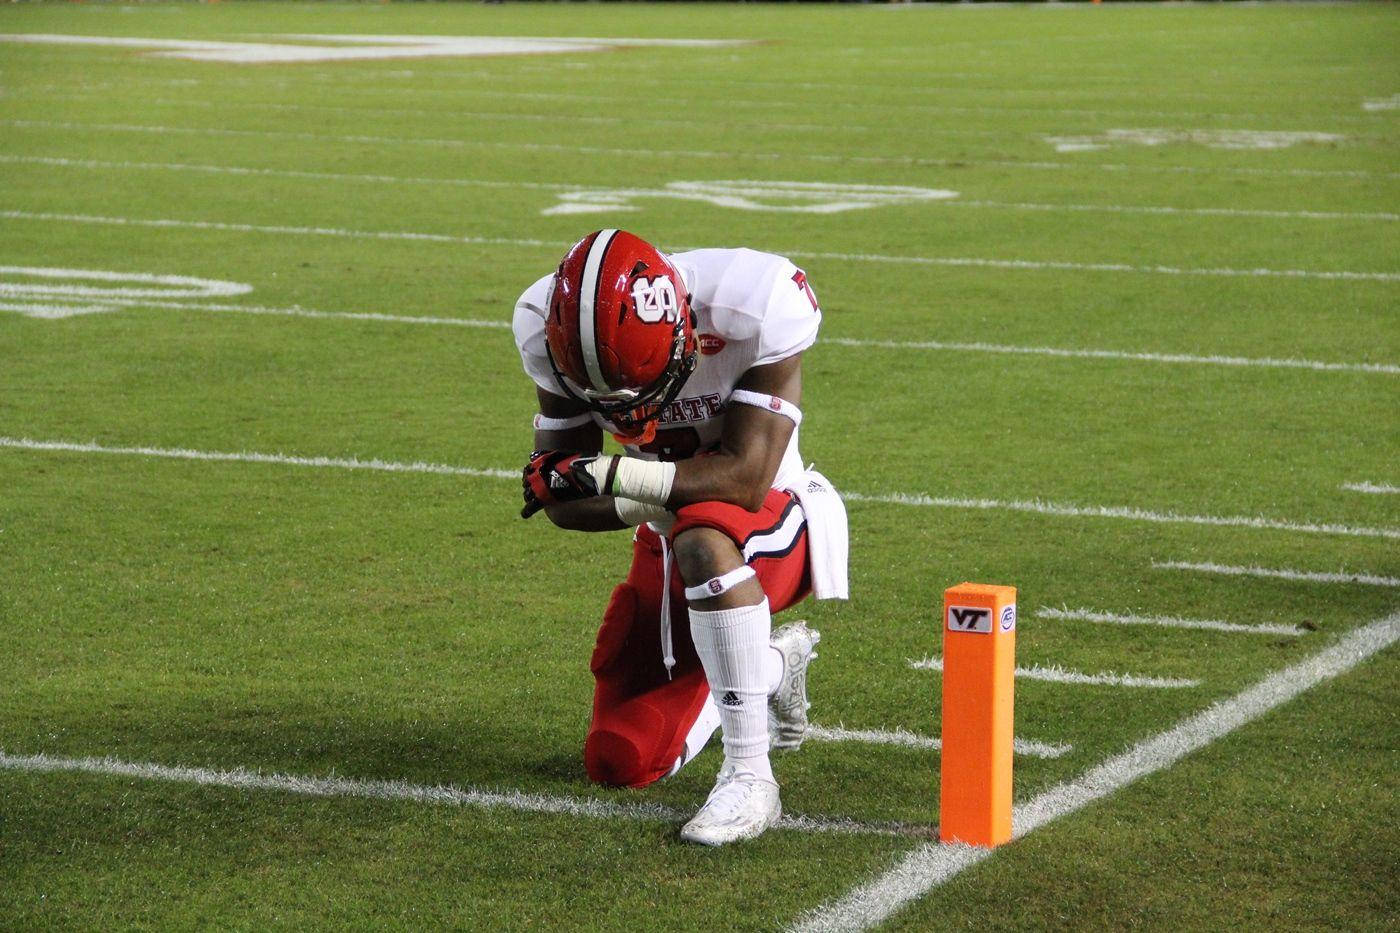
(717, 586)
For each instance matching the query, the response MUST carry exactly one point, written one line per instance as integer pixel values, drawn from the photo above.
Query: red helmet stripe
(587, 303)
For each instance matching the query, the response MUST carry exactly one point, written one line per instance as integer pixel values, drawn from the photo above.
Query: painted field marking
(344, 78)
(1041, 508)
(1392, 369)
(1384, 489)
(1182, 358)
(1026, 265)
(902, 737)
(1281, 573)
(45, 292)
(441, 794)
(727, 156)
(779, 196)
(1212, 138)
(1113, 618)
(1123, 512)
(1374, 104)
(583, 193)
(358, 47)
(180, 453)
(932, 864)
(1059, 675)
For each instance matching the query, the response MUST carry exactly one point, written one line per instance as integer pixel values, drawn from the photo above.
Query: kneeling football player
(693, 362)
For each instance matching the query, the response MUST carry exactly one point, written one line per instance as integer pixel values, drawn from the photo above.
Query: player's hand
(557, 476)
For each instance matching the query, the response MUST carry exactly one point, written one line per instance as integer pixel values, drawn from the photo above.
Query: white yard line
(521, 801)
(902, 737)
(952, 261)
(179, 453)
(100, 164)
(1090, 615)
(1385, 489)
(1388, 369)
(932, 864)
(1134, 356)
(1281, 573)
(1043, 508)
(1059, 675)
(1123, 512)
(685, 154)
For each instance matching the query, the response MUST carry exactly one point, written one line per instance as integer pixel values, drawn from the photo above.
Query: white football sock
(704, 727)
(733, 647)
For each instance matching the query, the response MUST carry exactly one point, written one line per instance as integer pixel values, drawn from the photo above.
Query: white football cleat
(741, 806)
(787, 707)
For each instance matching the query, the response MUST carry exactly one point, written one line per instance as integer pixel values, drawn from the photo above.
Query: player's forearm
(596, 514)
(721, 478)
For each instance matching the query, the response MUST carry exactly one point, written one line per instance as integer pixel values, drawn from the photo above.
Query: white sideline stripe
(956, 261)
(1090, 615)
(178, 453)
(1283, 573)
(1059, 675)
(932, 864)
(1174, 358)
(1029, 747)
(1182, 358)
(1132, 514)
(58, 161)
(1043, 508)
(1376, 488)
(729, 156)
(111, 304)
(441, 794)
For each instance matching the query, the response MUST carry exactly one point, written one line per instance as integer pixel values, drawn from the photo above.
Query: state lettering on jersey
(694, 408)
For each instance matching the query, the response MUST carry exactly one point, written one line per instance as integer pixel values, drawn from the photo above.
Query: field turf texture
(391, 625)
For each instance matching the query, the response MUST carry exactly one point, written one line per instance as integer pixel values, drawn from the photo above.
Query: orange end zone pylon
(979, 669)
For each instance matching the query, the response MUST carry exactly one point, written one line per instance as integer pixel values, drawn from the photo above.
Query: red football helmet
(620, 333)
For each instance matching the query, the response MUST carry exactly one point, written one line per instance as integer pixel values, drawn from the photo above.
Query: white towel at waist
(827, 543)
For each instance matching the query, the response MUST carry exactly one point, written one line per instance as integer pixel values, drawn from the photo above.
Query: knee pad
(624, 743)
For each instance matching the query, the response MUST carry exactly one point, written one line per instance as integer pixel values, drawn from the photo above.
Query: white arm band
(546, 423)
(633, 513)
(630, 478)
(779, 406)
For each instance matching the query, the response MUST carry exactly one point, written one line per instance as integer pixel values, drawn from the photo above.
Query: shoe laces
(731, 793)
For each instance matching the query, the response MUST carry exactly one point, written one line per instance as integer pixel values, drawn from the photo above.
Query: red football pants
(640, 714)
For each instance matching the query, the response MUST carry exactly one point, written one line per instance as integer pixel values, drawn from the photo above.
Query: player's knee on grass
(623, 745)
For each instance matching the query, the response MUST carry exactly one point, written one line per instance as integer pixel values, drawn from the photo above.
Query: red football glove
(556, 476)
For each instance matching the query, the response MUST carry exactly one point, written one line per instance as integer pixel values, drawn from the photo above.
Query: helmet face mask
(620, 332)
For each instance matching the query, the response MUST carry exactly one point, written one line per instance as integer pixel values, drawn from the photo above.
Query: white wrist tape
(721, 584)
(631, 512)
(643, 480)
(779, 406)
(546, 423)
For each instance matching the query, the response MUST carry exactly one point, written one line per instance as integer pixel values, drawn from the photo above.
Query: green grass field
(1152, 338)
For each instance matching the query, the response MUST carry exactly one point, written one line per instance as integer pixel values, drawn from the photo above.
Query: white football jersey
(751, 309)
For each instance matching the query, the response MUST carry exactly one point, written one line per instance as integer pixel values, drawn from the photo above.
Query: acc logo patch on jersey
(710, 344)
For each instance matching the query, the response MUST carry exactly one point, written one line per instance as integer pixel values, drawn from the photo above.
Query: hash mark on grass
(1059, 675)
(1384, 489)
(1282, 573)
(441, 794)
(932, 864)
(1090, 615)
(1041, 508)
(1029, 747)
